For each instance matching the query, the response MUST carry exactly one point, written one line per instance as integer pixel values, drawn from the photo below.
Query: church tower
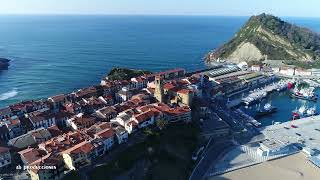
(158, 93)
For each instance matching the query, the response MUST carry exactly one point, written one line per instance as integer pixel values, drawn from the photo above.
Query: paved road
(212, 153)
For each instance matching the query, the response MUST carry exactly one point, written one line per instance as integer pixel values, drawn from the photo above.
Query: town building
(270, 147)
(84, 93)
(176, 114)
(5, 157)
(41, 119)
(287, 70)
(4, 132)
(302, 72)
(31, 138)
(5, 113)
(121, 134)
(168, 75)
(107, 113)
(81, 121)
(57, 101)
(54, 168)
(139, 82)
(108, 138)
(124, 95)
(315, 72)
(256, 68)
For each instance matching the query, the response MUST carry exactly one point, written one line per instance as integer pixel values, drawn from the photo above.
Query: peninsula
(268, 37)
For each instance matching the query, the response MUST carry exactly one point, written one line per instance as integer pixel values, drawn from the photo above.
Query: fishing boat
(266, 110)
(311, 112)
(305, 94)
(304, 112)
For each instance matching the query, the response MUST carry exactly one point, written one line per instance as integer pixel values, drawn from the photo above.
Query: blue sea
(59, 54)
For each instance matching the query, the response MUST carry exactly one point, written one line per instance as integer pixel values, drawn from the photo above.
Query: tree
(161, 123)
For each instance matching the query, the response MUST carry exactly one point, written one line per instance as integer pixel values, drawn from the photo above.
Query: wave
(8, 95)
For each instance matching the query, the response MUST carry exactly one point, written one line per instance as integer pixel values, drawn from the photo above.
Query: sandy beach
(294, 167)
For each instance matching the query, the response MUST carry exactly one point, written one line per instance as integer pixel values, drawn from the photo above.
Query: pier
(260, 93)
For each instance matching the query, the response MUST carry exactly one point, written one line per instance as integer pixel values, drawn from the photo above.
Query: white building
(107, 136)
(123, 95)
(272, 148)
(139, 82)
(302, 72)
(286, 70)
(121, 134)
(41, 119)
(256, 68)
(243, 65)
(315, 72)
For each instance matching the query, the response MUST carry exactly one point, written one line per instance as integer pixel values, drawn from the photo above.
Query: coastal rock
(268, 37)
(4, 63)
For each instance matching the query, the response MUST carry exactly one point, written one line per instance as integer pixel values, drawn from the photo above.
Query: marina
(260, 93)
(285, 104)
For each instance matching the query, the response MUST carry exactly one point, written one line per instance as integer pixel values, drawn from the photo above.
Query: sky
(295, 8)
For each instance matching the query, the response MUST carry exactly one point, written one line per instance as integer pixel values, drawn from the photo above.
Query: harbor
(281, 99)
(258, 94)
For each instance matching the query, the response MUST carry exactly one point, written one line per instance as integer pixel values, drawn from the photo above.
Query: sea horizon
(160, 15)
(59, 54)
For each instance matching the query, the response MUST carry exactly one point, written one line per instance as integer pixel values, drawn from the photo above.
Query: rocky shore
(4, 63)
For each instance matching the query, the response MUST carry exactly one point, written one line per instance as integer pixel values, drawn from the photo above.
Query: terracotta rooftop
(168, 86)
(86, 147)
(185, 91)
(54, 131)
(107, 133)
(31, 155)
(58, 98)
(38, 116)
(107, 110)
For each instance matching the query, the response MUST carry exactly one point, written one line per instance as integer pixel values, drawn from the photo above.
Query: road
(211, 154)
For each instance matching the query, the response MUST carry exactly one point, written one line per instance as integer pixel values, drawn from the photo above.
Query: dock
(260, 93)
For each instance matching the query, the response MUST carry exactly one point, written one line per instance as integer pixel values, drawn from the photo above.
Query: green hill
(266, 36)
(125, 73)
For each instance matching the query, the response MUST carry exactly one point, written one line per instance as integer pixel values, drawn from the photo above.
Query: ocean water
(59, 54)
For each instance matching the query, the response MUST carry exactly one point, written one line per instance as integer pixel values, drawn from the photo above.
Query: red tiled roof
(185, 91)
(133, 123)
(31, 155)
(58, 98)
(85, 148)
(168, 86)
(54, 131)
(146, 115)
(107, 133)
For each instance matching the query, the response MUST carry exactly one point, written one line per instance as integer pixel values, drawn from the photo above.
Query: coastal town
(50, 138)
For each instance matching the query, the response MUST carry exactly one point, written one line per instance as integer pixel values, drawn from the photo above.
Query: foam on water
(8, 95)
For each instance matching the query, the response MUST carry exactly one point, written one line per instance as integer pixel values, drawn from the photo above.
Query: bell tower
(158, 93)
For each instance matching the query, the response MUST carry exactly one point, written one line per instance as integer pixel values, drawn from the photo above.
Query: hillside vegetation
(125, 74)
(266, 36)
